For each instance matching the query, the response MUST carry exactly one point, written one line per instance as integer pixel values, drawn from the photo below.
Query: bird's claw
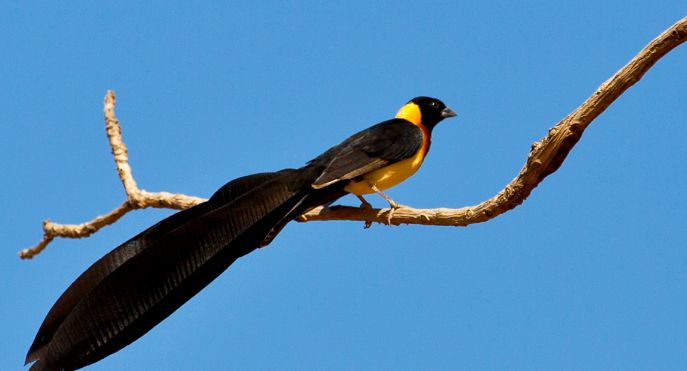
(392, 210)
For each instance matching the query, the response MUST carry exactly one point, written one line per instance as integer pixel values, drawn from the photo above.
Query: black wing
(371, 149)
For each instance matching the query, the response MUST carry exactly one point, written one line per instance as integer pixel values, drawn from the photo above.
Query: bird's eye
(434, 105)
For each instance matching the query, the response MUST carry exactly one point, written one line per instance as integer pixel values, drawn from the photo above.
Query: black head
(432, 110)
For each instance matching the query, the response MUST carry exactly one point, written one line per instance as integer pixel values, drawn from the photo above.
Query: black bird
(141, 282)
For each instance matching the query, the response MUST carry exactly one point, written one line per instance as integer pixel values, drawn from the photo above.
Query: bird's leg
(365, 205)
(391, 202)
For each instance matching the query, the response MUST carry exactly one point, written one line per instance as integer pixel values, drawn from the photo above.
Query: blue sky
(589, 273)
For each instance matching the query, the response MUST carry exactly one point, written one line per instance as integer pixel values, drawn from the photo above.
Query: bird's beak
(447, 112)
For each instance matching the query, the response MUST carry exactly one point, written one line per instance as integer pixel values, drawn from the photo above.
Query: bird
(137, 285)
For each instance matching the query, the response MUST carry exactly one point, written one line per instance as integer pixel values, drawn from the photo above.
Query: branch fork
(135, 198)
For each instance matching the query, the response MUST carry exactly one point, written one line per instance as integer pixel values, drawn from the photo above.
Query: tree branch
(545, 157)
(136, 198)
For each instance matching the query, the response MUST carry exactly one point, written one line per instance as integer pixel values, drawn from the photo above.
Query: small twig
(545, 157)
(121, 154)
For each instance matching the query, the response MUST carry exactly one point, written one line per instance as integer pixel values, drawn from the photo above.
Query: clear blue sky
(589, 273)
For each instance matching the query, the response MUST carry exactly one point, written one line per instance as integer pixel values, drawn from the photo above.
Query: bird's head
(425, 110)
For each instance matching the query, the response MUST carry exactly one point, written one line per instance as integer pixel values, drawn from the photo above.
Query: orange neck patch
(410, 112)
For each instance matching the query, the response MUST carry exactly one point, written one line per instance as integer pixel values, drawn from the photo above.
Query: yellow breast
(395, 173)
(387, 176)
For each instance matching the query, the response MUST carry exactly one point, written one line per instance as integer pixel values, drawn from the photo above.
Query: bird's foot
(364, 205)
(393, 204)
(394, 207)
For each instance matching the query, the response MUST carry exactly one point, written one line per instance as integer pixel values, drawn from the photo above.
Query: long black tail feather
(141, 282)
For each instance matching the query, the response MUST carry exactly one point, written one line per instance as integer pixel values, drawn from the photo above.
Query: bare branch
(136, 199)
(121, 155)
(545, 157)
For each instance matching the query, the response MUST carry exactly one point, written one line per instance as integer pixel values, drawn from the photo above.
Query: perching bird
(140, 283)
